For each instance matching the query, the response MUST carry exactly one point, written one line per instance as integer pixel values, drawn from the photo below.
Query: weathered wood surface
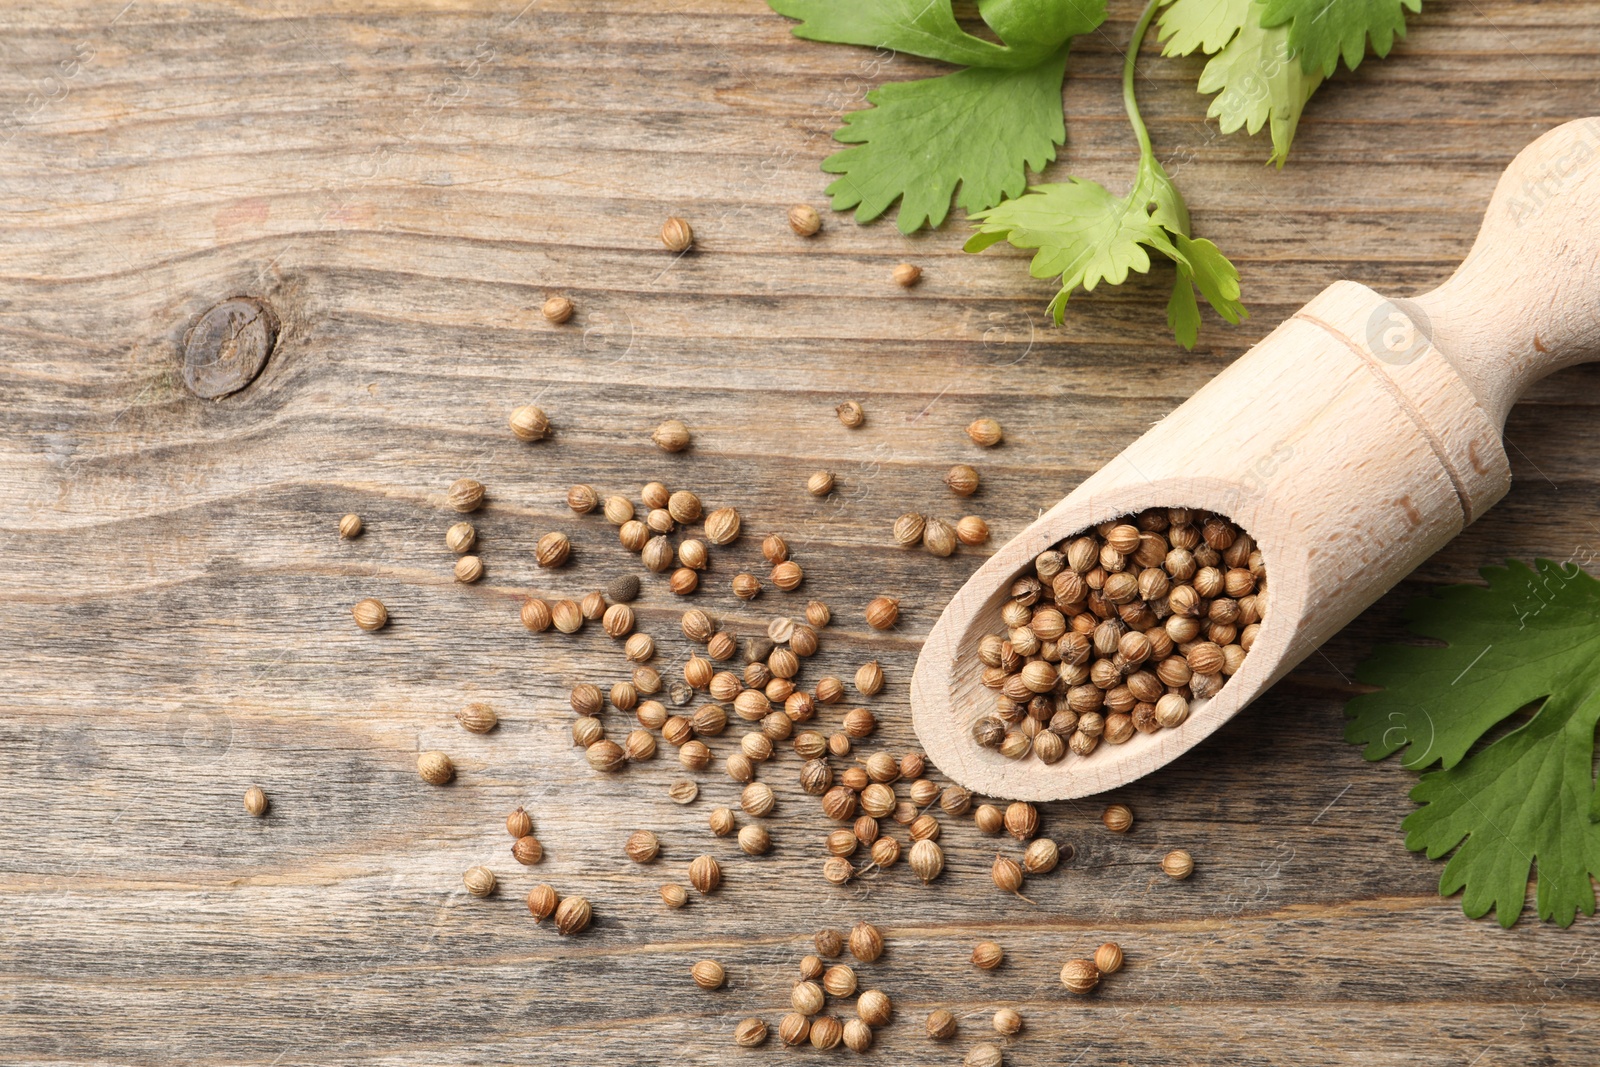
(404, 187)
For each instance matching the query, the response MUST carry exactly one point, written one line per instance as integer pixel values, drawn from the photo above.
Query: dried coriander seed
(926, 860)
(528, 423)
(552, 550)
(987, 955)
(480, 881)
(671, 436)
(1041, 856)
(939, 538)
(1006, 874)
(983, 1055)
(907, 274)
(465, 494)
(708, 974)
(468, 569)
(461, 538)
(857, 1035)
(350, 527)
(851, 414)
(839, 981)
(804, 220)
(684, 581)
(989, 819)
(1007, 1022)
(941, 1025)
(542, 902)
(972, 531)
(692, 554)
(527, 850)
(722, 526)
(1177, 864)
(874, 1008)
(370, 614)
(787, 576)
(477, 718)
(1080, 976)
(820, 483)
(674, 896)
(677, 234)
(519, 824)
(869, 678)
(435, 768)
(582, 499)
(883, 612)
(642, 846)
(705, 874)
(255, 801)
(984, 432)
(962, 479)
(556, 310)
(1118, 818)
(750, 1033)
(794, 1028)
(572, 916)
(755, 840)
(1108, 958)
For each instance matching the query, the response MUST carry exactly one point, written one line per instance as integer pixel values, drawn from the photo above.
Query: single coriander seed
(466, 494)
(676, 234)
(350, 527)
(1007, 1022)
(984, 432)
(572, 916)
(962, 479)
(883, 612)
(1118, 818)
(708, 974)
(582, 499)
(820, 483)
(255, 801)
(468, 569)
(1108, 958)
(851, 413)
(983, 1055)
(866, 942)
(557, 310)
(461, 538)
(528, 423)
(907, 274)
(477, 718)
(671, 436)
(705, 874)
(1080, 976)
(972, 531)
(480, 881)
(869, 678)
(552, 550)
(370, 614)
(804, 220)
(987, 955)
(674, 896)
(542, 902)
(519, 824)
(874, 1008)
(750, 1033)
(527, 850)
(642, 846)
(939, 538)
(1177, 864)
(435, 768)
(941, 1025)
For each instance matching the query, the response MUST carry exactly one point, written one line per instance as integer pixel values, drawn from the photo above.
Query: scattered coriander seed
(657, 555)
(1006, 874)
(907, 274)
(987, 955)
(722, 526)
(883, 612)
(542, 902)
(1041, 856)
(857, 1035)
(972, 530)
(519, 823)
(1007, 1022)
(586, 698)
(939, 538)
(694, 756)
(817, 614)
(826, 1032)
(618, 510)
(634, 535)
(1177, 864)
(858, 723)
(468, 569)
(684, 581)
(641, 648)
(909, 528)
(461, 537)
(671, 436)
(755, 840)
(255, 801)
(708, 974)
(1022, 820)
(605, 756)
(787, 576)
(617, 622)
(837, 870)
(926, 860)
(869, 678)
(983, 1055)
(572, 916)
(552, 550)
(593, 606)
(1118, 818)
(746, 586)
(962, 480)
(480, 881)
(655, 495)
(527, 850)
(851, 413)
(885, 851)
(750, 1033)
(466, 494)
(556, 310)
(587, 730)
(684, 507)
(722, 822)
(435, 768)
(1108, 958)
(674, 896)
(866, 941)
(843, 842)
(350, 527)
(985, 432)
(705, 874)
(642, 846)
(528, 423)
(830, 690)
(1080, 976)
(757, 799)
(567, 616)
(820, 483)
(676, 234)
(829, 943)
(839, 980)
(955, 800)
(477, 718)
(582, 499)
(794, 1028)
(989, 819)
(941, 1025)
(804, 220)
(370, 614)
(874, 1008)
(807, 997)
(639, 746)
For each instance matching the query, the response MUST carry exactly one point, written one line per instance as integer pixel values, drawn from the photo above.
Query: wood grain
(405, 185)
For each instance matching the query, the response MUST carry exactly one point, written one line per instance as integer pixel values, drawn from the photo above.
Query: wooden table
(404, 187)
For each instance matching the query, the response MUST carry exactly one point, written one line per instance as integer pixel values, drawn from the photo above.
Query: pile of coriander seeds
(1117, 630)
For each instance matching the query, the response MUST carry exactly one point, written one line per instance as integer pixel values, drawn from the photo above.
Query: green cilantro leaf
(1086, 235)
(1321, 30)
(975, 128)
(980, 129)
(1252, 68)
(1523, 799)
(1033, 30)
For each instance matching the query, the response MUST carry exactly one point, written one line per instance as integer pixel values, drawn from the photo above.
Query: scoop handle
(1526, 300)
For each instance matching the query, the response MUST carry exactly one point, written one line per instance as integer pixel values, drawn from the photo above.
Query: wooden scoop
(1351, 443)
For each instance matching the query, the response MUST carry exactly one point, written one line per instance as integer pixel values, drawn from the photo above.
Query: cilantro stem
(1128, 100)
